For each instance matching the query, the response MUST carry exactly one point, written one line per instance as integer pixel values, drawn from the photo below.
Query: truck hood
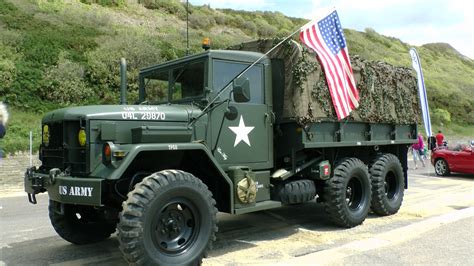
(172, 113)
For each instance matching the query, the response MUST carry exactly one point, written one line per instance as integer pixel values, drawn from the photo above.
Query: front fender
(202, 156)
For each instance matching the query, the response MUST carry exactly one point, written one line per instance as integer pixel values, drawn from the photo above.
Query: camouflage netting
(388, 94)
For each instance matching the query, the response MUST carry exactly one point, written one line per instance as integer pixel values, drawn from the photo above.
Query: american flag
(326, 38)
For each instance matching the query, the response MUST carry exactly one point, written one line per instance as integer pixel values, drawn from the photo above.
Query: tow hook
(36, 184)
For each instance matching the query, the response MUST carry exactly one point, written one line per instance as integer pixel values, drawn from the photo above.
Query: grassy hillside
(57, 53)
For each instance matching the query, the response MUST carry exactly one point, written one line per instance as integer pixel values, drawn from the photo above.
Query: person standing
(417, 150)
(439, 139)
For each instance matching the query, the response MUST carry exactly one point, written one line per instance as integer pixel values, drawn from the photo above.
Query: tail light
(324, 170)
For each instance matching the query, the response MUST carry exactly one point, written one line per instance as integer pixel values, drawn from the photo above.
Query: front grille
(63, 150)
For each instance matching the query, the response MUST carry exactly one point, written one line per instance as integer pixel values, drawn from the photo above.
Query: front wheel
(441, 167)
(168, 219)
(80, 225)
(347, 193)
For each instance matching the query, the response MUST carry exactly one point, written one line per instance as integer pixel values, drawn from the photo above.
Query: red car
(459, 159)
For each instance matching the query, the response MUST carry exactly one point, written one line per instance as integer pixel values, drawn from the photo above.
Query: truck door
(246, 140)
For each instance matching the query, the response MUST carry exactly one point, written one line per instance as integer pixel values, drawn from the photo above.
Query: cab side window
(225, 71)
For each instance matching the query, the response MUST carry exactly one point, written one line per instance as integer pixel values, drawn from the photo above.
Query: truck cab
(244, 139)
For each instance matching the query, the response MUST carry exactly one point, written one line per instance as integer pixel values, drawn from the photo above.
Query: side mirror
(241, 90)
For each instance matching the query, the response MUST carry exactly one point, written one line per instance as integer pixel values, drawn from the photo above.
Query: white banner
(425, 110)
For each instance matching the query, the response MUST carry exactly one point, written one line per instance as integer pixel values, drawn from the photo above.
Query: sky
(415, 22)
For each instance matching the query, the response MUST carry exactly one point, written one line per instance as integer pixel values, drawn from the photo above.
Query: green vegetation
(448, 74)
(18, 134)
(56, 53)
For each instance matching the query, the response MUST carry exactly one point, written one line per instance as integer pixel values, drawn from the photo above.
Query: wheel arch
(193, 158)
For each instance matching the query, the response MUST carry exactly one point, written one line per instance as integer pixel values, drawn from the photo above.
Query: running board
(259, 206)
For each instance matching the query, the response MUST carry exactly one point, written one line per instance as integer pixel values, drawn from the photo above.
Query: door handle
(270, 115)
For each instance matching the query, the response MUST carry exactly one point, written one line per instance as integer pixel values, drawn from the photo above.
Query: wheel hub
(354, 193)
(391, 185)
(440, 167)
(348, 195)
(175, 227)
(171, 226)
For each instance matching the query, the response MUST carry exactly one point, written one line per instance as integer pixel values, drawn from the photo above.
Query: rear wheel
(388, 185)
(347, 193)
(168, 219)
(80, 224)
(441, 167)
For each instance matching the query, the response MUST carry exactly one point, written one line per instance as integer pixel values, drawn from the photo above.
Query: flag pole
(425, 110)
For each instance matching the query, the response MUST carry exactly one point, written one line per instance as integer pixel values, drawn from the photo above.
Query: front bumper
(62, 188)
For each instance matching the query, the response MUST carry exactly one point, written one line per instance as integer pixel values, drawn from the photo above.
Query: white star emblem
(241, 132)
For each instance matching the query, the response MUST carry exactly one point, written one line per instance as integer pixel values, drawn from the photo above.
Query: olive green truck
(208, 134)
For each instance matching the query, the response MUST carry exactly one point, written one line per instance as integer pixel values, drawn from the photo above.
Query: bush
(199, 20)
(38, 46)
(441, 116)
(249, 27)
(104, 68)
(7, 68)
(283, 33)
(279, 20)
(266, 30)
(64, 83)
(106, 2)
(7, 74)
(238, 21)
(220, 19)
(174, 7)
(470, 118)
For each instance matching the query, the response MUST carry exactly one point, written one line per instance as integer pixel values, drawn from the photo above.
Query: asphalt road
(434, 226)
(449, 244)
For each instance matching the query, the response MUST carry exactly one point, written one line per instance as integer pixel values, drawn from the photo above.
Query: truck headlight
(81, 137)
(46, 135)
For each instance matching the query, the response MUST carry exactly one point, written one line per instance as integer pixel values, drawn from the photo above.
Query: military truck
(208, 134)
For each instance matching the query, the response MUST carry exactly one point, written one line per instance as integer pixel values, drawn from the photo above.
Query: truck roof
(232, 55)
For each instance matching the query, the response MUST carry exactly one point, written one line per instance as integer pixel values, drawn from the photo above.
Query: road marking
(382, 240)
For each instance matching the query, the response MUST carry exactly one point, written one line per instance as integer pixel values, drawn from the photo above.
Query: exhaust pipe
(123, 81)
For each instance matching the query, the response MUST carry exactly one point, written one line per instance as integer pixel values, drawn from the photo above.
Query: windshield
(177, 83)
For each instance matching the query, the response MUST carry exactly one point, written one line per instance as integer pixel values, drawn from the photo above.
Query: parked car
(459, 159)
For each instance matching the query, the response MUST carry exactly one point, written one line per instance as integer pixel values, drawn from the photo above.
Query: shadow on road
(55, 251)
(236, 233)
(242, 232)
